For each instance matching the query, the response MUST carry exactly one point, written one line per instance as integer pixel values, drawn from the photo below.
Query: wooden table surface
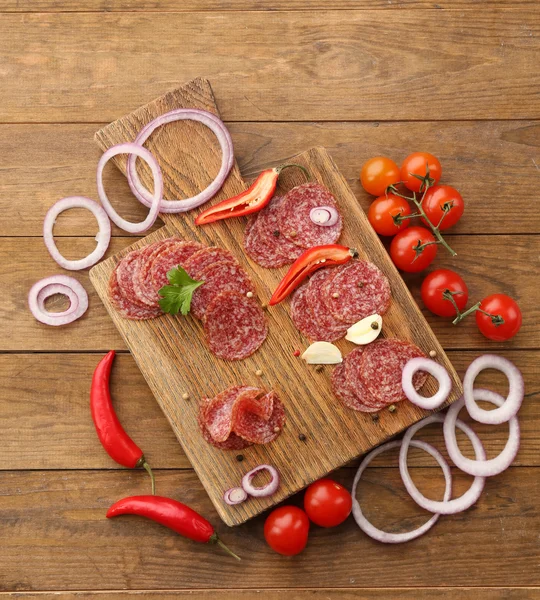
(458, 78)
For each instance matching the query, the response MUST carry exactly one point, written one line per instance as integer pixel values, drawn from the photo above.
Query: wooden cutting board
(170, 350)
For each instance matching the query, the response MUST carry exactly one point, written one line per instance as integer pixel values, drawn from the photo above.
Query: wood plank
(56, 519)
(483, 159)
(493, 75)
(484, 261)
(49, 427)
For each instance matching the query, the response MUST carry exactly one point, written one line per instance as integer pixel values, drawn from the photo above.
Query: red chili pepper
(313, 259)
(255, 198)
(172, 514)
(119, 446)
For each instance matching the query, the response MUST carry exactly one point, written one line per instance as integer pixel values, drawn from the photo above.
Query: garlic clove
(322, 353)
(365, 331)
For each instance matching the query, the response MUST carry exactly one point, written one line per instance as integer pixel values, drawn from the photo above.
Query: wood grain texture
(56, 520)
(323, 65)
(484, 160)
(49, 425)
(174, 359)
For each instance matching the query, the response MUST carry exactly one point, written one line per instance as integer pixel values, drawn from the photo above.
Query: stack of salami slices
(369, 378)
(335, 298)
(283, 230)
(234, 323)
(241, 416)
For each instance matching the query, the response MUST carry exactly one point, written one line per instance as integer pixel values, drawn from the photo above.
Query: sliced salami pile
(241, 416)
(234, 323)
(336, 298)
(283, 230)
(369, 378)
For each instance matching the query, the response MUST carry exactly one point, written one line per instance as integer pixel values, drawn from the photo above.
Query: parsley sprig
(176, 297)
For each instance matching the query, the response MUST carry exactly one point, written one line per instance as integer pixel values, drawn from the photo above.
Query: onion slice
(433, 368)
(397, 538)
(325, 216)
(483, 468)
(225, 141)
(132, 150)
(235, 495)
(446, 507)
(268, 489)
(103, 237)
(515, 396)
(57, 284)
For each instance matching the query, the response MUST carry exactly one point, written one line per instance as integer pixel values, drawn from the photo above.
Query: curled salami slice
(367, 402)
(142, 284)
(330, 329)
(125, 306)
(294, 220)
(254, 428)
(381, 368)
(355, 291)
(302, 315)
(219, 412)
(207, 257)
(126, 273)
(348, 396)
(235, 326)
(233, 442)
(253, 400)
(221, 277)
(166, 259)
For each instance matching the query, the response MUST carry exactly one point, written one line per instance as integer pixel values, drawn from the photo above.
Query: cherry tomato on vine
(505, 319)
(415, 164)
(286, 530)
(377, 174)
(407, 252)
(443, 281)
(436, 200)
(327, 503)
(382, 211)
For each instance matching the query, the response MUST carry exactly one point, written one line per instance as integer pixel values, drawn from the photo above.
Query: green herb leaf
(177, 296)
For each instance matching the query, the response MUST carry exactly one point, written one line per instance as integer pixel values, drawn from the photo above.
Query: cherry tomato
(327, 503)
(382, 211)
(377, 174)
(439, 282)
(286, 530)
(506, 319)
(415, 164)
(436, 199)
(404, 254)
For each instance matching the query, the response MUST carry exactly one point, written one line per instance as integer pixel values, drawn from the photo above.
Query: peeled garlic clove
(322, 353)
(365, 331)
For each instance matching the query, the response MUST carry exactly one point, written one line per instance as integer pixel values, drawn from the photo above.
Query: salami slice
(221, 277)
(166, 259)
(233, 442)
(126, 274)
(235, 326)
(254, 428)
(365, 400)
(330, 329)
(294, 220)
(355, 291)
(381, 368)
(202, 259)
(348, 396)
(142, 284)
(218, 415)
(125, 306)
(255, 401)
(302, 316)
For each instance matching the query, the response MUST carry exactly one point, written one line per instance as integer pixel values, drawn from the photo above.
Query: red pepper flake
(296, 352)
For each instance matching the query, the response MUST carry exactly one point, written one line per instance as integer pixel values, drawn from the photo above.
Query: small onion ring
(325, 216)
(433, 368)
(268, 489)
(157, 198)
(103, 237)
(515, 395)
(234, 496)
(484, 468)
(397, 538)
(225, 141)
(55, 284)
(447, 507)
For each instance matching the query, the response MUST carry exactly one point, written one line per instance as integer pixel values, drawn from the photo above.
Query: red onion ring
(103, 237)
(446, 507)
(433, 368)
(268, 489)
(235, 495)
(224, 138)
(484, 468)
(132, 150)
(325, 216)
(397, 538)
(513, 400)
(57, 284)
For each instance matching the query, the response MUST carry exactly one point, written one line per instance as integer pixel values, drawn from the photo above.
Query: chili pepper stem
(142, 463)
(225, 549)
(303, 169)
